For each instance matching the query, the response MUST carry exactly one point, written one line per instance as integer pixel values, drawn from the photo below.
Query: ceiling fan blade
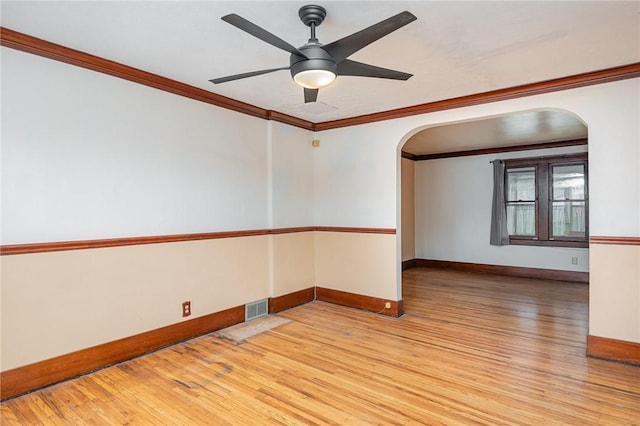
(244, 75)
(310, 95)
(341, 49)
(262, 34)
(349, 67)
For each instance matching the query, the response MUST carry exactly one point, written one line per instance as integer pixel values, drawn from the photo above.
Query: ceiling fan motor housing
(317, 59)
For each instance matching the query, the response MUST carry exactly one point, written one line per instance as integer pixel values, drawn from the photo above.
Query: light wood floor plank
(471, 349)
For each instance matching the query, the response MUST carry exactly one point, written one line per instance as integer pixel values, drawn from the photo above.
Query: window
(546, 201)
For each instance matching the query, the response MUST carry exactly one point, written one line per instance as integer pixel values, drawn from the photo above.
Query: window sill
(548, 243)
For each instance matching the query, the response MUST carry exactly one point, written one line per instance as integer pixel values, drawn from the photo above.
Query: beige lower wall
(357, 263)
(293, 262)
(59, 302)
(614, 291)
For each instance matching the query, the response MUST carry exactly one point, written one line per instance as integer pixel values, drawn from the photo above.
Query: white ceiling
(518, 128)
(454, 48)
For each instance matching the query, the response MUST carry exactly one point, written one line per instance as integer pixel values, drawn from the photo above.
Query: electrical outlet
(574, 260)
(387, 305)
(186, 308)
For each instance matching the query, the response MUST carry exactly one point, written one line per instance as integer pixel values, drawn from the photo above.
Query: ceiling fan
(315, 65)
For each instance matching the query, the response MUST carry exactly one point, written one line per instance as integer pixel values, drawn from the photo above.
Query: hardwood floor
(471, 349)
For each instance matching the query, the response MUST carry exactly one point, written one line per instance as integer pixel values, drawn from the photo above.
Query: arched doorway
(446, 189)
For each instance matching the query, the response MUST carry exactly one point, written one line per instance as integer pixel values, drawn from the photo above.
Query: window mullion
(543, 211)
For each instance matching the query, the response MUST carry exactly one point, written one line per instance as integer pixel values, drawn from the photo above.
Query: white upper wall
(292, 176)
(614, 158)
(453, 215)
(355, 177)
(118, 159)
(352, 172)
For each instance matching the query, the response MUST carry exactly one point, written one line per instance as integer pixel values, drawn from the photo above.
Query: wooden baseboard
(408, 264)
(281, 303)
(44, 373)
(613, 350)
(512, 271)
(367, 303)
(30, 377)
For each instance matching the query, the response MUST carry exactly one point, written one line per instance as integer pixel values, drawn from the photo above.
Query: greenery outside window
(547, 201)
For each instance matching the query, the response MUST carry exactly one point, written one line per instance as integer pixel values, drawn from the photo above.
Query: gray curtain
(499, 234)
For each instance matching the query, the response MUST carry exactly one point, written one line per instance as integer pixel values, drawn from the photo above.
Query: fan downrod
(312, 15)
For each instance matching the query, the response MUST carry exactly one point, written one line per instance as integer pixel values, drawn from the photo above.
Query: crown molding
(26, 43)
(496, 150)
(571, 82)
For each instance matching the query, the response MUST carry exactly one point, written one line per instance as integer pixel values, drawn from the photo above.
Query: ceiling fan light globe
(314, 79)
